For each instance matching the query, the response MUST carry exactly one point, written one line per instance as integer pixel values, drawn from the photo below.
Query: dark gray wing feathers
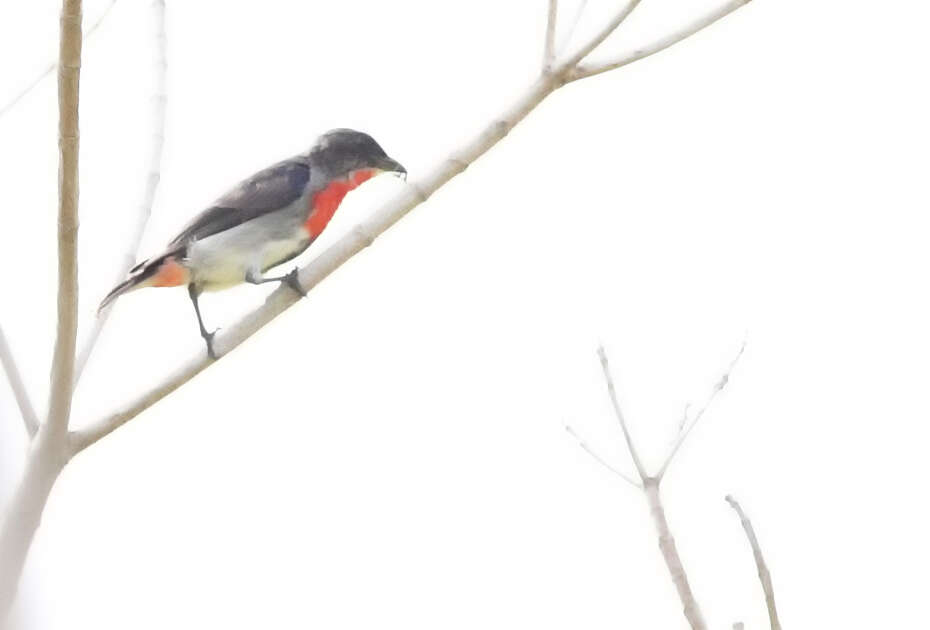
(271, 189)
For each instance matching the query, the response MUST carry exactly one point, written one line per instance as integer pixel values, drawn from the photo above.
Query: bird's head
(342, 153)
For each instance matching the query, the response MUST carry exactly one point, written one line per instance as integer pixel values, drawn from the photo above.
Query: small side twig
(600, 460)
(567, 37)
(156, 146)
(618, 411)
(685, 427)
(689, 29)
(15, 379)
(603, 34)
(51, 67)
(764, 576)
(549, 48)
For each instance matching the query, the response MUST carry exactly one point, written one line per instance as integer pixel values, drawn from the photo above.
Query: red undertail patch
(170, 274)
(323, 205)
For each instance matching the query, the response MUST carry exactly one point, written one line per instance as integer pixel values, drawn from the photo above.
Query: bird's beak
(390, 165)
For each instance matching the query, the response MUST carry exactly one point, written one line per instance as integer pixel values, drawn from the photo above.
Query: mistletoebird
(265, 221)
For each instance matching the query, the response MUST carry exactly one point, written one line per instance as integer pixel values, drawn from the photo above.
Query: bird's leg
(207, 336)
(290, 279)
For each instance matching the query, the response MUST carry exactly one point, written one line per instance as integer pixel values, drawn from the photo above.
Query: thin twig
(551, 19)
(684, 430)
(69, 77)
(603, 34)
(584, 71)
(620, 418)
(764, 576)
(156, 145)
(584, 445)
(30, 419)
(567, 37)
(50, 68)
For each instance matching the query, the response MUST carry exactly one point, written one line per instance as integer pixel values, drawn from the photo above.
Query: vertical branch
(549, 50)
(670, 554)
(605, 366)
(153, 178)
(19, 388)
(49, 453)
(764, 576)
(69, 80)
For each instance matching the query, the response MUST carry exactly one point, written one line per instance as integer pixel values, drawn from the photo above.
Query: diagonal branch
(28, 412)
(549, 49)
(583, 71)
(352, 243)
(50, 68)
(685, 428)
(620, 418)
(157, 143)
(603, 34)
(69, 77)
(764, 576)
(600, 460)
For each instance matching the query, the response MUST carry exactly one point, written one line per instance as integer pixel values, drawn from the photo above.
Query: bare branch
(50, 68)
(619, 413)
(357, 239)
(670, 554)
(157, 143)
(69, 77)
(584, 445)
(49, 455)
(603, 34)
(15, 379)
(549, 50)
(567, 38)
(584, 71)
(685, 429)
(764, 576)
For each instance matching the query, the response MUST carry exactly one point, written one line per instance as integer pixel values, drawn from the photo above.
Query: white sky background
(390, 452)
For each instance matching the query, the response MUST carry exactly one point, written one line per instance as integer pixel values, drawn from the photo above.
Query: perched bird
(266, 220)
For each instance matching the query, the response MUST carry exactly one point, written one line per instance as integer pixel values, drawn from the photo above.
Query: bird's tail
(142, 275)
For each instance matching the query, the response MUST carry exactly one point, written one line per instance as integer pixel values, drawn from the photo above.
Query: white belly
(222, 260)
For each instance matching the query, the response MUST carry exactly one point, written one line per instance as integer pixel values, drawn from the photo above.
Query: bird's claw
(292, 280)
(208, 337)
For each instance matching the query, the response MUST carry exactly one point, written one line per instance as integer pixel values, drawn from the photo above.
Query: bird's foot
(208, 338)
(292, 280)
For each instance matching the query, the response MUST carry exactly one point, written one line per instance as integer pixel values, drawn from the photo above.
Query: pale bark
(549, 48)
(686, 427)
(764, 576)
(618, 412)
(689, 29)
(49, 453)
(670, 554)
(26, 410)
(69, 78)
(603, 34)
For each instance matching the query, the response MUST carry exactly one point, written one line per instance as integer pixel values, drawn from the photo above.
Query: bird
(264, 221)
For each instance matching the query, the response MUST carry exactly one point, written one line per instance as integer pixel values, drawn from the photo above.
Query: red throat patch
(323, 205)
(170, 274)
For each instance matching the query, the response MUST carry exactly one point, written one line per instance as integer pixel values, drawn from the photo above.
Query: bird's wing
(271, 189)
